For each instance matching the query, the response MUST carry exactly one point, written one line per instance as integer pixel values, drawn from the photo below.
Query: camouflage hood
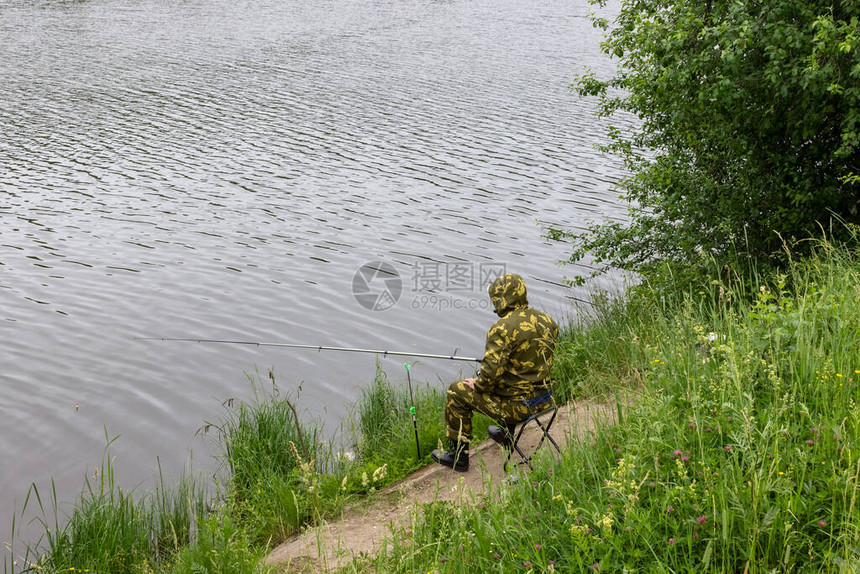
(507, 293)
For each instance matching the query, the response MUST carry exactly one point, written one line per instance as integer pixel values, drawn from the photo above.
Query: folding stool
(545, 427)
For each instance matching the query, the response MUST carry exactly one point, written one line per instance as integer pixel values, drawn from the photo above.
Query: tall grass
(386, 432)
(741, 452)
(271, 459)
(109, 531)
(282, 476)
(278, 476)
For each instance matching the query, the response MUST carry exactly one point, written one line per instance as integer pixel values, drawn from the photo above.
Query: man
(514, 379)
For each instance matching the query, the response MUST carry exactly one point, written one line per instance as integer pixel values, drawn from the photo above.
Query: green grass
(220, 546)
(271, 460)
(386, 431)
(111, 531)
(740, 452)
(282, 476)
(277, 476)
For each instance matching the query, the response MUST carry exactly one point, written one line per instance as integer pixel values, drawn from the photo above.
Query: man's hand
(469, 383)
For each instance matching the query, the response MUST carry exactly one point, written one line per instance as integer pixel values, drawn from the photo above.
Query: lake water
(223, 170)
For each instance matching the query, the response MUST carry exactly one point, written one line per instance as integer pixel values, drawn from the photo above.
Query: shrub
(749, 132)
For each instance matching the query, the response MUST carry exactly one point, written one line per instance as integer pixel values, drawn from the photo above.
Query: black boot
(457, 458)
(502, 435)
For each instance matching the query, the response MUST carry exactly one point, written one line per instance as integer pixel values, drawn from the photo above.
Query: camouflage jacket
(519, 353)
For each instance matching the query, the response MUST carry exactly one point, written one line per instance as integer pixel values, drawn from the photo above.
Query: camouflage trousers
(464, 400)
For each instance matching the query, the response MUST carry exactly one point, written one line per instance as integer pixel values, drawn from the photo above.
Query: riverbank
(362, 528)
(740, 453)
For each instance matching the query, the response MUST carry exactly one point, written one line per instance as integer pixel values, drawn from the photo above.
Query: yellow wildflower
(605, 523)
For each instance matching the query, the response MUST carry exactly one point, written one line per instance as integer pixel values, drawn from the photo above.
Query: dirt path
(362, 527)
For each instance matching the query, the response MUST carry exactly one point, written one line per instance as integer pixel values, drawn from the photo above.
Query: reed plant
(281, 475)
(386, 433)
(220, 546)
(109, 530)
(739, 453)
(599, 349)
(277, 476)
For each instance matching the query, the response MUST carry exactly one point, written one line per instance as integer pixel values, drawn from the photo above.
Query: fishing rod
(317, 347)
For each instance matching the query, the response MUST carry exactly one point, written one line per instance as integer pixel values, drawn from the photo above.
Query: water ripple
(218, 169)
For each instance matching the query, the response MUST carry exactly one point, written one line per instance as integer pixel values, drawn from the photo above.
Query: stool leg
(546, 434)
(525, 459)
(545, 429)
